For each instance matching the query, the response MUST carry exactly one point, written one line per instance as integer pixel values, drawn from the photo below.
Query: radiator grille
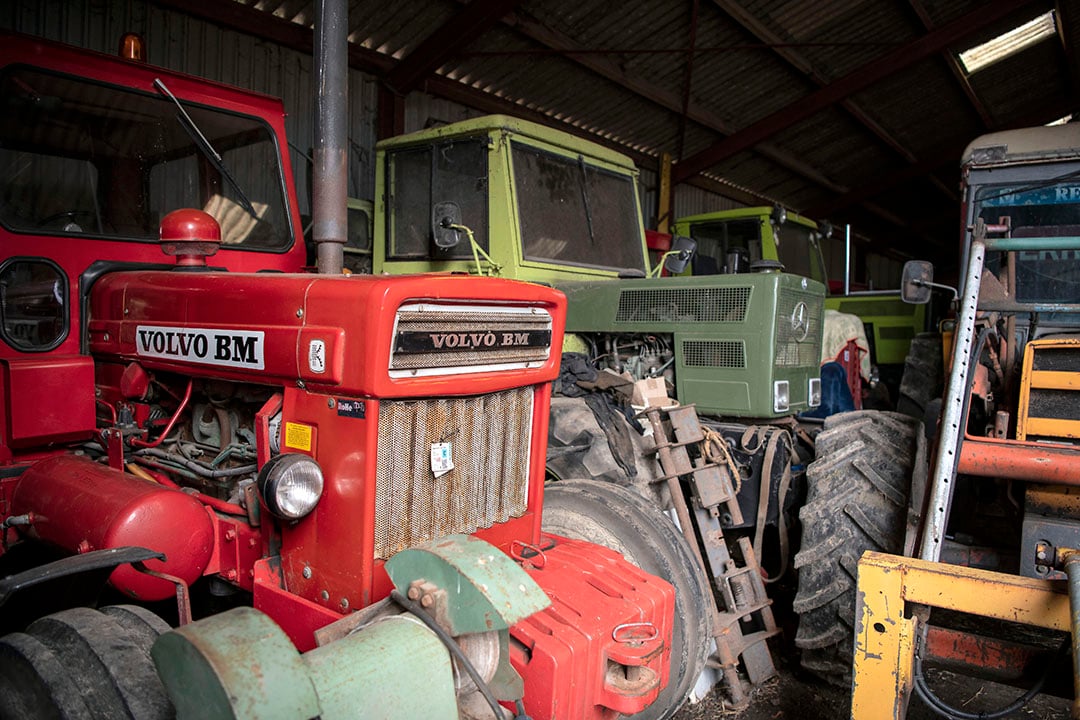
(489, 437)
(798, 344)
(684, 305)
(1052, 404)
(460, 335)
(714, 353)
(1057, 359)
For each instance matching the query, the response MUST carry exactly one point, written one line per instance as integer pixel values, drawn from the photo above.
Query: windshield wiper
(585, 199)
(206, 148)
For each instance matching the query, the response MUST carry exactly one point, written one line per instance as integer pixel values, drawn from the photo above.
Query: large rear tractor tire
(84, 664)
(620, 519)
(923, 375)
(857, 500)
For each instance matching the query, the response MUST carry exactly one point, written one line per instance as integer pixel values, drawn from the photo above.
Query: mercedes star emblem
(800, 322)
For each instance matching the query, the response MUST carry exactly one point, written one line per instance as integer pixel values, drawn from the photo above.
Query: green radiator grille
(684, 305)
(714, 353)
(798, 329)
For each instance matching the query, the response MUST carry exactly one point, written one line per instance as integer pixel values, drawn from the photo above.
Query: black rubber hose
(457, 652)
(941, 708)
(198, 468)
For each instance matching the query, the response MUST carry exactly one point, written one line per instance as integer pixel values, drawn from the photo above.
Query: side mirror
(682, 249)
(445, 220)
(917, 282)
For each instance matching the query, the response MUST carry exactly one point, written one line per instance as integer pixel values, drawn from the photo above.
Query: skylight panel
(1009, 43)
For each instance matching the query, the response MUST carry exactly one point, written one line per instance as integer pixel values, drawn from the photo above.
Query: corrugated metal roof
(619, 73)
(1020, 85)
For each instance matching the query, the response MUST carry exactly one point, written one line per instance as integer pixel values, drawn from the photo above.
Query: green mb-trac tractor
(729, 241)
(681, 392)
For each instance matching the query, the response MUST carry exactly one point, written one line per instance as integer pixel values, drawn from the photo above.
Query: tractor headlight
(781, 396)
(291, 485)
(813, 393)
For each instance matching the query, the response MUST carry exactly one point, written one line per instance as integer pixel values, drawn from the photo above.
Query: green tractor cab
(502, 196)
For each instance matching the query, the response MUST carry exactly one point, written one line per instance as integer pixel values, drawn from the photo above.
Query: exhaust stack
(329, 189)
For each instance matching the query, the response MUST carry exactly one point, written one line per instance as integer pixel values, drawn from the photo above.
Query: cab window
(33, 296)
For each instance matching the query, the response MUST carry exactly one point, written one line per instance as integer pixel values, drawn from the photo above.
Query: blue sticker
(1019, 197)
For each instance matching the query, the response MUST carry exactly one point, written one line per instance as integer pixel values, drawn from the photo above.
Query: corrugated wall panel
(189, 45)
(833, 251)
(690, 200)
(881, 272)
(424, 111)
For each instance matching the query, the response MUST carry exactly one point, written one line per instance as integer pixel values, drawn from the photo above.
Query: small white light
(814, 392)
(781, 396)
(290, 485)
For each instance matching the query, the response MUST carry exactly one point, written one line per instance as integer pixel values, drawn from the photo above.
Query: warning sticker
(317, 356)
(298, 436)
(442, 460)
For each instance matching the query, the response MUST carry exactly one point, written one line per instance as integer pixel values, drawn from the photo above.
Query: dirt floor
(793, 696)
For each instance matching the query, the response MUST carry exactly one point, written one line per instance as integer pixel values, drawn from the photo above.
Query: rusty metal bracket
(739, 586)
(183, 592)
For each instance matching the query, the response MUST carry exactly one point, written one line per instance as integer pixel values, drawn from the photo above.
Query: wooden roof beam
(944, 154)
(860, 79)
(688, 77)
(469, 23)
(661, 96)
(954, 67)
(777, 44)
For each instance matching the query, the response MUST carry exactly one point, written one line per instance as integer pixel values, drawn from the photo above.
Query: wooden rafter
(941, 156)
(661, 96)
(466, 25)
(688, 76)
(792, 57)
(954, 67)
(860, 79)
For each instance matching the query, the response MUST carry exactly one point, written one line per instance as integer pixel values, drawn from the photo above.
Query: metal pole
(330, 175)
(950, 432)
(663, 195)
(847, 260)
(1072, 571)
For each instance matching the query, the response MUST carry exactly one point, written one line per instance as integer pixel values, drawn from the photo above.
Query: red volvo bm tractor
(189, 414)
